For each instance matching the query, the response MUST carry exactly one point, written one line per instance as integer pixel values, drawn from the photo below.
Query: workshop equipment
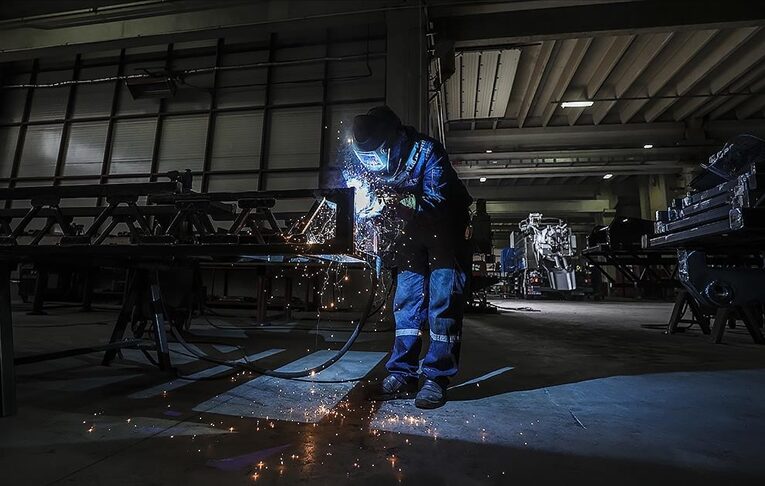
(718, 230)
(148, 228)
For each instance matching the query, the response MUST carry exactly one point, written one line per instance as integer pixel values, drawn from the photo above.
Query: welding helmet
(376, 140)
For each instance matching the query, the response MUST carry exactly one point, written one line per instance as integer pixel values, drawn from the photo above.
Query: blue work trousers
(430, 285)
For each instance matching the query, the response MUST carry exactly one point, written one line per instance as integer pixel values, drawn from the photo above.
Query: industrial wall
(270, 119)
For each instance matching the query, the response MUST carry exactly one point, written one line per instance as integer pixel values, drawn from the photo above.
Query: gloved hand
(409, 201)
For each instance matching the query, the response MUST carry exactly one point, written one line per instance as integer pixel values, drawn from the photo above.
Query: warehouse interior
(189, 293)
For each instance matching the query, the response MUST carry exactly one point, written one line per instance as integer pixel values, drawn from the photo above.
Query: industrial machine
(543, 254)
(718, 230)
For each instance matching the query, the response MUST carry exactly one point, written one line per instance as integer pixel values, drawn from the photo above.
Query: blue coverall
(434, 259)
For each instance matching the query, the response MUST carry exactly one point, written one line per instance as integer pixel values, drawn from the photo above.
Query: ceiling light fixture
(608, 176)
(576, 104)
(648, 146)
(488, 151)
(482, 180)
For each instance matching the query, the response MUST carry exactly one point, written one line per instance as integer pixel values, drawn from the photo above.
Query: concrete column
(406, 71)
(653, 195)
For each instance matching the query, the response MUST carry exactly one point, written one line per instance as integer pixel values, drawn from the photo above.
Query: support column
(7, 372)
(406, 66)
(653, 195)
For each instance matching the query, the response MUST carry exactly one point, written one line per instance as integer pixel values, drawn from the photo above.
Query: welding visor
(377, 160)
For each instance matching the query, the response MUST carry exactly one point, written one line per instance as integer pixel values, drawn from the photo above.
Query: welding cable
(291, 375)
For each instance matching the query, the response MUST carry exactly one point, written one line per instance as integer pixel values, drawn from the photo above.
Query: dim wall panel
(182, 144)
(132, 146)
(38, 159)
(294, 138)
(85, 149)
(236, 141)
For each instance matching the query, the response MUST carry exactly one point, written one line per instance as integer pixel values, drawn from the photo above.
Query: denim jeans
(432, 274)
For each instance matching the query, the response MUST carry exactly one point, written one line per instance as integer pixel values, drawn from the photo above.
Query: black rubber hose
(292, 374)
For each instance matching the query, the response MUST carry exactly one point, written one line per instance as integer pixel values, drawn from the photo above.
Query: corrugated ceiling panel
(182, 145)
(236, 141)
(94, 99)
(487, 75)
(454, 91)
(508, 66)
(132, 146)
(40, 151)
(85, 148)
(469, 83)
(50, 103)
(8, 138)
(295, 138)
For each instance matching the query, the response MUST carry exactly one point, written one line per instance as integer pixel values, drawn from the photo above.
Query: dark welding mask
(375, 140)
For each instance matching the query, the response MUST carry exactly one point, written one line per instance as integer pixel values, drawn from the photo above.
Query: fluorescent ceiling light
(608, 176)
(488, 151)
(576, 104)
(482, 179)
(648, 146)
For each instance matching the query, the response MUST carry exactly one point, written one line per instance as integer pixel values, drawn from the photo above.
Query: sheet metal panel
(40, 151)
(233, 182)
(8, 138)
(487, 76)
(50, 103)
(127, 105)
(85, 148)
(298, 83)
(506, 71)
(182, 144)
(454, 92)
(236, 141)
(242, 87)
(469, 73)
(12, 100)
(94, 99)
(132, 146)
(294, 137)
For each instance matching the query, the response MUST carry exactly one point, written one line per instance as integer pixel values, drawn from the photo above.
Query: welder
(432, 252)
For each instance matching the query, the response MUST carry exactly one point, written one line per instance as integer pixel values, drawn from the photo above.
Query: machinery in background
(645, 272)
(718, 230)
(484, 273)
(542, 257)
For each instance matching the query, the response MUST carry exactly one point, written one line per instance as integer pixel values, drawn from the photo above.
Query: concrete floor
(578, 392)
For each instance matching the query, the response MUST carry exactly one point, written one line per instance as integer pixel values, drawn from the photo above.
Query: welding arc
(291, 375)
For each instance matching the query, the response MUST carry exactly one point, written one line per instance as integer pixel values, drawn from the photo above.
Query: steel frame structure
(174, 227)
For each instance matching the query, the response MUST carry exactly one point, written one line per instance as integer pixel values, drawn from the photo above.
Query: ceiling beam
(26, 38)
(601, 19)
(679, 53)
(568, 170)
(731, 76)
(557, 207)
(637, 58)
(699, 70)
(578, 136)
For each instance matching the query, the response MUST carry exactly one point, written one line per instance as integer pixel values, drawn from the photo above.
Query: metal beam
(26, 38)
(552, 207)
(568, 170)
(602, 154)
(683, 48)
(604, 19)
(698, 71)
(574, 51)
(536, 77)
(636, 60)
(578, 136)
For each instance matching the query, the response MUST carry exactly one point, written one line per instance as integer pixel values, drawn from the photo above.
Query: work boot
(431, 395)
(395, 386)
